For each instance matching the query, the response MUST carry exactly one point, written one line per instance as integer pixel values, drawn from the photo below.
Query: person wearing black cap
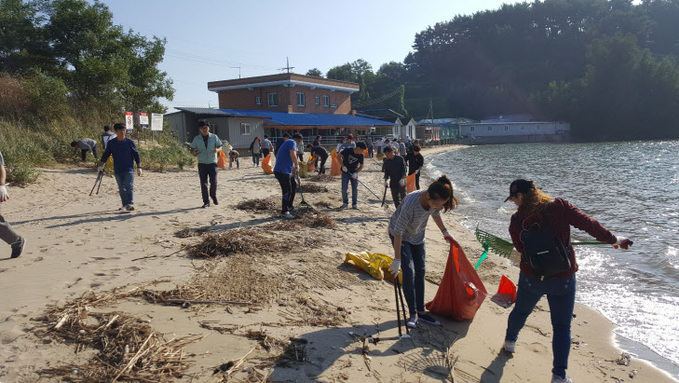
(537, 210)
(352, 163)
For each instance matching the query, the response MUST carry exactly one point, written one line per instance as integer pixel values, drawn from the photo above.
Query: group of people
(535, 211)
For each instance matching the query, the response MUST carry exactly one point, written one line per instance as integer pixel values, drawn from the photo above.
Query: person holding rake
(407, 228)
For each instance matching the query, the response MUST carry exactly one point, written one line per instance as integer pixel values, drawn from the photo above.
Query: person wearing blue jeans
(285, 169)
(536, 209)
(125, 154)
(407, 231)
(351, 159)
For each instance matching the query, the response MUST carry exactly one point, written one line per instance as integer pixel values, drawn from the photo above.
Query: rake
(299, 182)
(504, 248)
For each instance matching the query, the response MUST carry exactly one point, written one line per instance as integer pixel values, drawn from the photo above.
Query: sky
(212, 40)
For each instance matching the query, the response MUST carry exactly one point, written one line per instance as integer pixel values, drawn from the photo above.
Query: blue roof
(295, 119)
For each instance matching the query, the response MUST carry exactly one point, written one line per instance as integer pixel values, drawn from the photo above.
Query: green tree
(314, 72)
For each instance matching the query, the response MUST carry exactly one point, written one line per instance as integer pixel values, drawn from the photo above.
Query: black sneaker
(426, 318)
(207, 204)
(18, 247)
(214, 200)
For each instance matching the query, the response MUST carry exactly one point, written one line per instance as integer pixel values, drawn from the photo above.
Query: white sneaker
(294, 210)
(355, 207)
(509, 346)
(287, 215)
(412, 322)
(558, 379)
(129, 207)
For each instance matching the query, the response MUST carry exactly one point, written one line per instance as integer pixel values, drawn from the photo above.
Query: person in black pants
(318, 152)
(286, 167)
(394, 168)
(206, 147)
(416, 161)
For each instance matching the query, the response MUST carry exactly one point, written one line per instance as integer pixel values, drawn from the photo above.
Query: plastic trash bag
(375, 264)
(221, 160)
(336, 167)
(410, 183)
(266, 164)
(461, 291)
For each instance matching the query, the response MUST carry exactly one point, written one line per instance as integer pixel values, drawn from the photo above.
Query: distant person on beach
(286, 167)
(7, 234)
(394, 168)
(206, 147)
(369, 144)
(348, 143)
(233, 157)
(538, 210)
(266, 146)
(318, 152)
(407, 231)
(255, 149)
(106, 136)
(351, 159)
(86, 145)
(125, 154)
(415, 164)
(280, 142)
(317, 142)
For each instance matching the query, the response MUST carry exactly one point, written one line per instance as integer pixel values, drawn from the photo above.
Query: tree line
(609, 67)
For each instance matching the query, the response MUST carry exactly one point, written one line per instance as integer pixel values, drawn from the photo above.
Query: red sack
(461, 292)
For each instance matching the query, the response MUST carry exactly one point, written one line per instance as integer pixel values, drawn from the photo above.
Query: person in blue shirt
(285, 169)
(124, 153)
(206, 147)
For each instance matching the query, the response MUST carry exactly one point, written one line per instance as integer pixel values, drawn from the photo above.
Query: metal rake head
(496, 244)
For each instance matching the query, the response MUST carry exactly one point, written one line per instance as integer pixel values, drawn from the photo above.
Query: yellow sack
(108, 168)
(310, 164)
(375, 264)
(302, 170)
(379, 157)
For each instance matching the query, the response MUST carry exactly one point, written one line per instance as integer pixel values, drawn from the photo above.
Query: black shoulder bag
(544, 251)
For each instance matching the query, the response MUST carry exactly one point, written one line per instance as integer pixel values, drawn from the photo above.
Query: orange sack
(461, 291)
(221, 160)
(336, 167)
(266, 164)
(410, 183)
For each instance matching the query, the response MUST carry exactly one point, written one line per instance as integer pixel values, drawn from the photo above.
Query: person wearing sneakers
(124, 153)
(557, 280)
(206, 147)
(407, 231)
(394, 168)
(286, 167)
(6, 233)
(351, 159)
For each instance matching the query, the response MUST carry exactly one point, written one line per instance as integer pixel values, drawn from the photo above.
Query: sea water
(632, 188)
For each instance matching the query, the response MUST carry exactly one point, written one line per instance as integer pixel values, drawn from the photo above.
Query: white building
(501, 129)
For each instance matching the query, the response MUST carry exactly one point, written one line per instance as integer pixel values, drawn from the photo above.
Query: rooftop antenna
(234, 67)
(288, 67)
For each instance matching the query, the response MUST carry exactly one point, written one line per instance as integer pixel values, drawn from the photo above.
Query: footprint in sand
(38, 259)
(539, 348)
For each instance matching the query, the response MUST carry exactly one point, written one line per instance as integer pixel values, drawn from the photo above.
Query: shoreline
(78, 244)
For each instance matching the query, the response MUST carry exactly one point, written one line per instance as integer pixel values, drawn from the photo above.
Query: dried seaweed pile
(309, 219)
(191, 232)
(129, 348)
(307, 311)
(256, 240)
(321, 178)
(236, 279)
(259, 205)
(313, 188)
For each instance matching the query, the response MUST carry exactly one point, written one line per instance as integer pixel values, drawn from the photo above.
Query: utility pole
(430, 113)
(234, 67)
(288, 67)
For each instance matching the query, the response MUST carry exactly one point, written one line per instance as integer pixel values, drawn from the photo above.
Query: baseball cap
(520, 186)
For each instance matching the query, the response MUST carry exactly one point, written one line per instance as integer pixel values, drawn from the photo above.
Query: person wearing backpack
(540, 231)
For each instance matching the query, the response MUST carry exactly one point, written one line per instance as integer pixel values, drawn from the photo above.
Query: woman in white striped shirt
(406, 230)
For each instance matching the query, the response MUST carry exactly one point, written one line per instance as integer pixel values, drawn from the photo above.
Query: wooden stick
(240, 361)
(134, 358)
(183, 301)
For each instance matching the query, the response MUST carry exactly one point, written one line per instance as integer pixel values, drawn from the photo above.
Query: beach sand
(307, 312)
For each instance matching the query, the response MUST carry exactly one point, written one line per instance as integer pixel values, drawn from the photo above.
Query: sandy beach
(286, 308)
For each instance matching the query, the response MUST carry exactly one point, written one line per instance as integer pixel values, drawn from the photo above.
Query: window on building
(317, 100)
(490, 128)
(258, 100)
(471, 129)
(506, 127)
(272, 99)
(245, 128)
(326, 100)
(301, 99)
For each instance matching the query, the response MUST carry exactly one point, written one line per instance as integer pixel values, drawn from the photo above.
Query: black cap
(520, 186)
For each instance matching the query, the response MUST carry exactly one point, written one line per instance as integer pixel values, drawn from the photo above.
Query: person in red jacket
(533, 207)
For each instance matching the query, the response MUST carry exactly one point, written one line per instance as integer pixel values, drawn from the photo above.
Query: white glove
(417, 171)
(448, 237)
(4, 196)
(395, 267)
(402, 182)
(386, 183)
(344, 169)
(100, 169)
(139, 172)
(354, 175)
